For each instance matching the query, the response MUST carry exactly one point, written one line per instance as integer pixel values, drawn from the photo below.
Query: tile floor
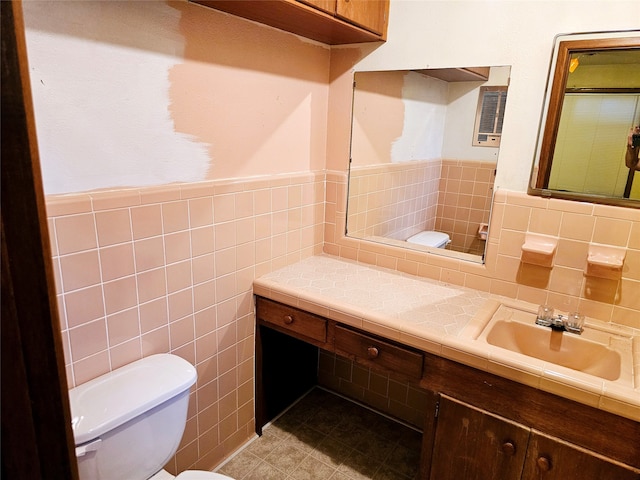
(326, 437)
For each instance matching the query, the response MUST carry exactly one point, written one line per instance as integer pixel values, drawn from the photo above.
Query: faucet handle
(574, 322)
(545, 315)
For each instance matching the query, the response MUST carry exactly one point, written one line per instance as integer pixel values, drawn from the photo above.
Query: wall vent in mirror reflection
(415, 163)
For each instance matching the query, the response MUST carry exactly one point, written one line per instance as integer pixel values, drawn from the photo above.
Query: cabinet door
(472, 444)
(549, 458)
(369, 14)
(328, 6)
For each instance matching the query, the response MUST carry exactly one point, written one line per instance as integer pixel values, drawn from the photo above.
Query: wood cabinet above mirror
(592, 105)
(333, 22)
(466, 74)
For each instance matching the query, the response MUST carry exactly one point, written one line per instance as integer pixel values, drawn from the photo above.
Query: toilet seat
(201, 475)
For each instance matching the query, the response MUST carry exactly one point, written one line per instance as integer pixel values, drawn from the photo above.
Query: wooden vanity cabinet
(333, 22)
(286, 368)
(478, 425)
(290, 320)
(378, 354)
(549, 458)
(565, 436)
(475, 444)
(287, 343)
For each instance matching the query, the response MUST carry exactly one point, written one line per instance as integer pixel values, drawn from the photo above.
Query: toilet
(429, 238)
(128, 423)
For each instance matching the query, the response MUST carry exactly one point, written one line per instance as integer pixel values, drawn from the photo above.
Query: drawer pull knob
(508, 448)
(288, 319)
(544, 464)
(372, 352)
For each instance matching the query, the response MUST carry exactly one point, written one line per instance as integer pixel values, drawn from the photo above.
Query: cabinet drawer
(373, 352)
(292, 319)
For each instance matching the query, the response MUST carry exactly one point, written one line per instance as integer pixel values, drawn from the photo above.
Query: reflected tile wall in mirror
(393, 200)
(464, 203)
(414, 166)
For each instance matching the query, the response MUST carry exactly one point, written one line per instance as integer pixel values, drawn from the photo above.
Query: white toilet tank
(128, 423)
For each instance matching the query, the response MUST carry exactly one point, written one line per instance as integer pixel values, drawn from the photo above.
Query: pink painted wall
(261, 110)
(378, 117)
(134, 94)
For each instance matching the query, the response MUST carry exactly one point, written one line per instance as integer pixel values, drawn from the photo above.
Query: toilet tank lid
(114, 398)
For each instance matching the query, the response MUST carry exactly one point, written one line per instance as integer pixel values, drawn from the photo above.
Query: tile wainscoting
(170, 269)
(564, 286)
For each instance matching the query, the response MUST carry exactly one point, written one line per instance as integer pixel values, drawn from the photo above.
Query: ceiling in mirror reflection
(414, 167)
(592, 105)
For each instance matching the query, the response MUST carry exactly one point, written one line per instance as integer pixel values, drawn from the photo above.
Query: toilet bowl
(128, 423)
(429, 238)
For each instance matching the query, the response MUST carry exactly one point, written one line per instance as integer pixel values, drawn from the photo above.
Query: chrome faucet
(571, 323)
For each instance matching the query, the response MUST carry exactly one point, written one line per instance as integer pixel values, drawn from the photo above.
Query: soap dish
(605, 261)
(539, 250)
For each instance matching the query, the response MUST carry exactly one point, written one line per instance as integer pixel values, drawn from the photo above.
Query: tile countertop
(438, 318)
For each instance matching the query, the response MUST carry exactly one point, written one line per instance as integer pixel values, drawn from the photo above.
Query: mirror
(592, 105)
(424, 151)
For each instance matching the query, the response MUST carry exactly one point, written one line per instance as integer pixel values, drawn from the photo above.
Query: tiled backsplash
(170, 269)
(564, 286)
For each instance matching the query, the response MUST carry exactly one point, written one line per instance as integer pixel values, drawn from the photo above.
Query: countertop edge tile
(516, 374)
(420, 341)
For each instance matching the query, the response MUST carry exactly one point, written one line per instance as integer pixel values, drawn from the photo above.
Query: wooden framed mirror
(591, 105)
